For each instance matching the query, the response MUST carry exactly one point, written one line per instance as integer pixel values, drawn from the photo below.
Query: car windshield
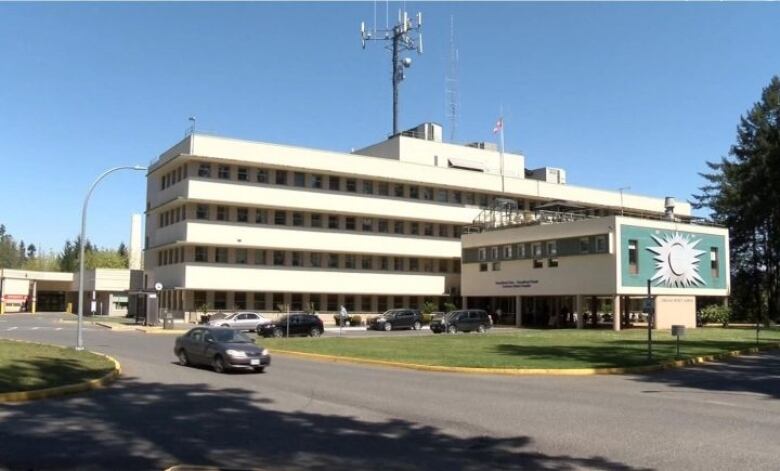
(451, 314)
(231, 316)
(230, 336)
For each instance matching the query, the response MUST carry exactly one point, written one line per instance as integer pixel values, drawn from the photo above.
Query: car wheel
(315, 332)
(452, 329)
(219, 364)
(183, 360)
(260, 369)
(481, 329)
(388, 327)
(278, 332)
(417, 325)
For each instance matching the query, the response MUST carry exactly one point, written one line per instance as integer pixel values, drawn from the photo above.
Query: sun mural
(677, 261)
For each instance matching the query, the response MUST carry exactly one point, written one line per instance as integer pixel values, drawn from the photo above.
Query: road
(314, 415)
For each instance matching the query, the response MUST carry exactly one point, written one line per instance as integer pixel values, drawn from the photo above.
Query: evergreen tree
(31, 251)
(22, 252)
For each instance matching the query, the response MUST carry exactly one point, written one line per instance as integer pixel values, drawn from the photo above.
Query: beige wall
(675, 310)
(104, 279)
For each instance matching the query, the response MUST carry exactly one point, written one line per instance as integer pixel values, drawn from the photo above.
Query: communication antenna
(404, 36)
(451, 95)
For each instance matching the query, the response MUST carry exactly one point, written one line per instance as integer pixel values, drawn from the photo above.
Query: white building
(240, 224)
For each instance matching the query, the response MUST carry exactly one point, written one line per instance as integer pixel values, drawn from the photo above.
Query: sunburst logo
(677, 261)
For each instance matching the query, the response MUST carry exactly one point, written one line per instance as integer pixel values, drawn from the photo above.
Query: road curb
(160, 332)
(531, 371)
(37, 394)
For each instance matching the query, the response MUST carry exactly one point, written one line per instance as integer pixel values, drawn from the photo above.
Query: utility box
(168, 321)
(678, 330)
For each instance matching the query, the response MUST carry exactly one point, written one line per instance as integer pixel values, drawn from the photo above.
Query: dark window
(414, 264)
(278, 257)
(538, 263)
(239, 300)
(398, 227)
(297, 259)
(242, 215)
(297, 219)
(351, 185)
(349, 261)
(316, 220)
(280, 218)
(428, 229)
(443, 230)
(383, 226)
(414, 192)
(383, 188)
(333, 222)
(368, 187)
(261, 216)
(224, 172)
(204, 170)
(333, 260)
(398, 190)
(427, 193)
(221, 255)
(243, 174)
(199, 298)
(281, 177)
(241, 256)
(415, 228)
(262, 175)
(714, 262)
(299, 179)
(315, 259)
(259, 257)
(222, 213)
(350, 223)
(316, 181)
(220, 300)
(202, 211)
(398, 264)
(552, 262)
(367, 225)
(383, 264)
(633, 257)
(366, 262)
(201, 254)
(457, 196)
(441, 196)
(584, 245)
(334, 183)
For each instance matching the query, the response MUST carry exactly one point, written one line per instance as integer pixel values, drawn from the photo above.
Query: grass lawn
(530, 348)
(28, 366)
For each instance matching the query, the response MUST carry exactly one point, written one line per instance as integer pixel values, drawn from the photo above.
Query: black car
(466, 320)
(299, 324)
(397, 319)
(223, 349)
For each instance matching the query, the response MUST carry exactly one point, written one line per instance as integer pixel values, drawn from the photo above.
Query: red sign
(15, 297)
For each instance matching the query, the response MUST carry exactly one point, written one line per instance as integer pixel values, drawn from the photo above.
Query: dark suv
(397, 319)
(466, 320)
(299, 324)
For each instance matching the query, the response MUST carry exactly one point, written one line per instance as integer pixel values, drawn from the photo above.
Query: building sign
(516, 283)
(677, 260)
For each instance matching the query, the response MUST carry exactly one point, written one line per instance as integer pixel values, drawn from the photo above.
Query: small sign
(93, 306)
(158, 286)
(678, 330)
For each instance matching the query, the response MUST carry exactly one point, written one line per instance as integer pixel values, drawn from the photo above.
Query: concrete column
(34, 302)
(465, 302)
(580, 310)
(616, 313)
(518, 311)
(305, 298)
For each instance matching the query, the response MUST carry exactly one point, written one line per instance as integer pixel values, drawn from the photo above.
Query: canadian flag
(499, 126)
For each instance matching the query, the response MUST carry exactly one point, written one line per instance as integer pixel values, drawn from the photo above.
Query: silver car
(241, 321)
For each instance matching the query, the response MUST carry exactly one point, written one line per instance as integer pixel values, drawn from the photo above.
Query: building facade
(234, 224)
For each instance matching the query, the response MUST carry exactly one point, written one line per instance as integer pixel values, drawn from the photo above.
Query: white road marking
(34, 328)
(58, 328)
(12, 328)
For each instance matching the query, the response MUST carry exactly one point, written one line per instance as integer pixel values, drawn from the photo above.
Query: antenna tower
(451, 85)
(404, 36)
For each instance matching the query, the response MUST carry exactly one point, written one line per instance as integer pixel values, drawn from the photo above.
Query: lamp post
(82, 237)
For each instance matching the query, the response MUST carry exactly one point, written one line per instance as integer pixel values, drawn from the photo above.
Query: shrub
(448, 306)
(425, 319)
(355, 320)
(428, 307)
(716, 314)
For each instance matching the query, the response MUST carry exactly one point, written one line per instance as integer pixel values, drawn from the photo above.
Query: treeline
(743, 194)
(18, 255)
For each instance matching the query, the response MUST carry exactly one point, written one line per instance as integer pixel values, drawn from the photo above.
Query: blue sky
(630, 94)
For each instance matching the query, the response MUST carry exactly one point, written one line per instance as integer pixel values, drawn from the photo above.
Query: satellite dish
(158, 286)
(407, 62)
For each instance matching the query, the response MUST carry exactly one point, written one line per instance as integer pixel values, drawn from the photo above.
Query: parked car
(223, 349)
(206, 318)
(240, 320)
(465, 320)
(300, 324)
(397, 319)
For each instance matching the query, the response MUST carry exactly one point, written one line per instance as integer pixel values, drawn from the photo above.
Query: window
(368, 187)
(383, 264)
(428, 229)
(398, 227)
(221, 255)
(521, 250)
(278, 257)
(315, 259)
(494, 253)
(259, 257)
(281, 177)
(262, 175)
(398, 190)
(242, 175)
(331, 302)
(584, 245)
(202, 211)
(367, 225)
(220, 300)
(199, 298)
(316, 220)
(414, 264)
(456, 232)
(333, 260)
(536, 249)
(242, 215)
(261, 216)
(441, 195)
(204, 170)
(414, 228)
(333, 222)
(384, 226)
(316, 181)
(334, 183)
(297, 259)
(280, 218)
(496, 266)
(381, 303)
(414, 192)
(239, 300)
(443, 230)
(299, 179)
(349, 261)
(383, 189)
(366, 262)
(277, 301)
(538, 263)
(469, 197)
(483, 267)
(241, 256)
(601, 244)
(349, 223)
(163, 182)
(427, 193)
(482, 199)
(222, 213)
(714, 262)
(552, 248)
(398, 264)
(351, 185)
(427, 265)
(223, 172)
(552, 262)
(633, 257)
(457, 196)
(297, 219)
(201, 254)
(507, 252)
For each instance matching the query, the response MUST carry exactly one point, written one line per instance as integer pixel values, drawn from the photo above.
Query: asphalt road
(313, 415)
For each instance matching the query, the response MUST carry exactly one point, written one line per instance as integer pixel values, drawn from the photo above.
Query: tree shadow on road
(137, 425)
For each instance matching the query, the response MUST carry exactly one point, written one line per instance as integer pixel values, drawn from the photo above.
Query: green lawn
(27, 366)
(529, 348)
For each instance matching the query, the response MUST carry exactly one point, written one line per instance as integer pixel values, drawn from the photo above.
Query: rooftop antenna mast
(451, 85)
(404, 36)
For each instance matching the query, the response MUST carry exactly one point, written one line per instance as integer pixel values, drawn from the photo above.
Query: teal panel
(699, 277)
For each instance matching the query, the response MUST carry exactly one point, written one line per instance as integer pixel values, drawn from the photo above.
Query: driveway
(312, 415)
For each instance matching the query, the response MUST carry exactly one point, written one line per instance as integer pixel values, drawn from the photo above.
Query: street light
(79, 336)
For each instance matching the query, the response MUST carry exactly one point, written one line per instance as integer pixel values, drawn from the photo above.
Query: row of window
(286, 258)
(278, 217)
(536, 249)
(317, 302)
(537, 263)
(174, 176)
